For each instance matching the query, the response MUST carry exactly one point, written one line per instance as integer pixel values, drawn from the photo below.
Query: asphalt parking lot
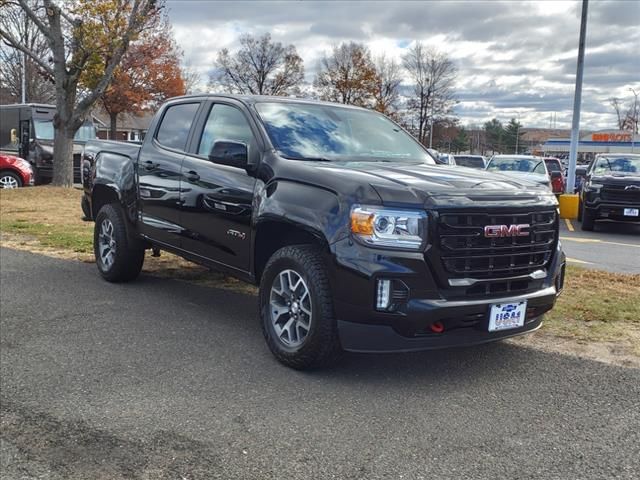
(612, 246)
(160, 379)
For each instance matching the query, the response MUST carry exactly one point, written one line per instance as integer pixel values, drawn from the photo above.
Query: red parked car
(556, 174)
(15, 172)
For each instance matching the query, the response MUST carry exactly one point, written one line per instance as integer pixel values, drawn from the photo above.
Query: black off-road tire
(580, 212)
(588, 219)
(86, 209)
(129, 253)
(321, 346)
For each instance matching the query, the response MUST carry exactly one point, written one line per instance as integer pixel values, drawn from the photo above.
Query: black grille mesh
(618, 194)
(466, 252)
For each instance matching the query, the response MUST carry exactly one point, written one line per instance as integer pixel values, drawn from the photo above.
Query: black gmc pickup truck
(358, 240)
(611, 189)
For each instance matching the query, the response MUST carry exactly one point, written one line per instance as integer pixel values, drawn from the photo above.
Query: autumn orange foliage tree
(347, 75)
(149, 74)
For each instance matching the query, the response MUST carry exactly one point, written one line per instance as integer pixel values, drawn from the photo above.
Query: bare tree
(347, 75)
(82, 37)
(433, 75)
(260, 67)
(191, 78)
(387, 85)
(39, 87)
(627, 116)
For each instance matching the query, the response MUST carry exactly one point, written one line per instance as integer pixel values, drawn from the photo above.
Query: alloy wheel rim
(8, 181)
(107, 243)
(290, 308)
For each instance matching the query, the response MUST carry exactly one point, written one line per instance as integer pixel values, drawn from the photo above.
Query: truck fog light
(383, 294)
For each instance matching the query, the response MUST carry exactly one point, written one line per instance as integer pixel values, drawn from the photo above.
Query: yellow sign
(611, 137)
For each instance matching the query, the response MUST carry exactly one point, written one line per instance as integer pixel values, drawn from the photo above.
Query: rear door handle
(149, 165)
(192, 176)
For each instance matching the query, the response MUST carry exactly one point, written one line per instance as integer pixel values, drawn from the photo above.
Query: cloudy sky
(515, 58)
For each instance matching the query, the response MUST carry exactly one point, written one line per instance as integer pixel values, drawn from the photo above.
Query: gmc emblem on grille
(498, 231)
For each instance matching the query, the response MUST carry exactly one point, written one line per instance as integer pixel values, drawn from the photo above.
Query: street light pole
(577, 99)
(517, 133)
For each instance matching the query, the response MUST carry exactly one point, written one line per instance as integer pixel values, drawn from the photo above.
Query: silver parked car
(521, 167)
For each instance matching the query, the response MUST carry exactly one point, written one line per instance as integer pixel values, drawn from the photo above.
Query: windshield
(44, 131)
(85, 132)
(322, 132)
(620, 164)
(553, 166)
(517, 164)
(472, 162)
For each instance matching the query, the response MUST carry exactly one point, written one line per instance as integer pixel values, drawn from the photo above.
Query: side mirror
(555, 175)
(234, 154)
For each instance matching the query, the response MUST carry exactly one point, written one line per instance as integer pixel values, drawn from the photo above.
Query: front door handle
(149, 165)
(192, 176)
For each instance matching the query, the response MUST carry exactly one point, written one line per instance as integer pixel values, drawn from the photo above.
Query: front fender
(316, 210)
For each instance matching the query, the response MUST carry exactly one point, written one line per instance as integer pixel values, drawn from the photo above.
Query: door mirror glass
(234, 154)
(556, 175)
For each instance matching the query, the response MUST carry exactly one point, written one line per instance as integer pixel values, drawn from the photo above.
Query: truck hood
(432, 185)
(617, 179)
(538, 178)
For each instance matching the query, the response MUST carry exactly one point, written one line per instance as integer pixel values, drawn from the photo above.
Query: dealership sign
(611, 137)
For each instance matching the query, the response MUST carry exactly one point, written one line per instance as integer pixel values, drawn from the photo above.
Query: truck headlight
(385, 227)
(593, 187)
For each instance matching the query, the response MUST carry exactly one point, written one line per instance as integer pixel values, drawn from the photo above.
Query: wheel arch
(274, 234)
(15, 171)
(103, 195)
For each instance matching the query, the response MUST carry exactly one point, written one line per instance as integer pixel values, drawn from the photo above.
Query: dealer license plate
(631, 212)
(505, 316)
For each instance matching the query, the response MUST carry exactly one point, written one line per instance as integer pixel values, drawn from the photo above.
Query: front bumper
(612, 210)
(359, 337)
(464, 318)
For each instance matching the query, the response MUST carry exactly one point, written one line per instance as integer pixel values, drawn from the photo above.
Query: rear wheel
(119, 258)
(86, 209)
(588, 219)
(10, 180)
(296, 309)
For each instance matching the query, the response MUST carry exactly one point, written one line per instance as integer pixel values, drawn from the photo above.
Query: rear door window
(176, 124)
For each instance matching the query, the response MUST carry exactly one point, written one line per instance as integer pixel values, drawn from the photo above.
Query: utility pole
(577, 99)
(431, 129)
(24, 60)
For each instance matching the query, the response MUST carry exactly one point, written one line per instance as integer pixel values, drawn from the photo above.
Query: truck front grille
(465, 252)
(618, 194)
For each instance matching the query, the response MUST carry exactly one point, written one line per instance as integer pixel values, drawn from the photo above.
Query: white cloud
(512, 57)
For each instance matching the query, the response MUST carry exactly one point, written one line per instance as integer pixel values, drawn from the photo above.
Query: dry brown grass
(598, 306)
(48, 220)
(597, 309)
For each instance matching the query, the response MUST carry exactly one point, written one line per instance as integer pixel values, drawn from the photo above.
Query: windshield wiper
(308, 159)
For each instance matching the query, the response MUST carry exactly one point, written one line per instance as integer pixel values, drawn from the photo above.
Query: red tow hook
(437, 327)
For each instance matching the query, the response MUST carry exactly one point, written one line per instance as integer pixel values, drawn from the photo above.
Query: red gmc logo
(499, 231)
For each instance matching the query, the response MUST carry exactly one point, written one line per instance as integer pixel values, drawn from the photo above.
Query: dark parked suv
(357, 239)
(611, 189)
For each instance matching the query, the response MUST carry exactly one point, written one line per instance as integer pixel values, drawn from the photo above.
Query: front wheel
(119, 258)
(588, 219)
(10, 180)
(296, 309)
